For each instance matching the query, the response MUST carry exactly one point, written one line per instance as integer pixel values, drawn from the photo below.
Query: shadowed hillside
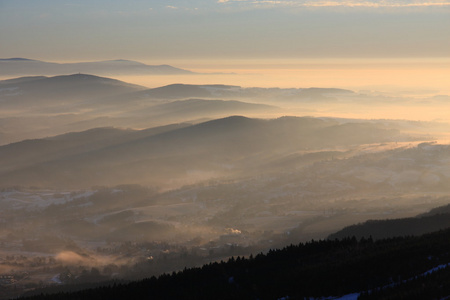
(436, 219)
(209, 147)
(46, 90)
(315, 269)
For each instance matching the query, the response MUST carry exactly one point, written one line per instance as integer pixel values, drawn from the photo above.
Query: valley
(105, 180)
(225, 149)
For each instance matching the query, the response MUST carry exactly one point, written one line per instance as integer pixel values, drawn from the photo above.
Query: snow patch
(440, 267)
(56, 279)
(32, 199)
(353, 296)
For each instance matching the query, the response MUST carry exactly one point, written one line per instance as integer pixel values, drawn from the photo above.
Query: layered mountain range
(101, 179)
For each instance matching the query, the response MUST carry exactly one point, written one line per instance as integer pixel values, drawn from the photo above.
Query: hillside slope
(436, 219)
(315, 269)
(220, 147)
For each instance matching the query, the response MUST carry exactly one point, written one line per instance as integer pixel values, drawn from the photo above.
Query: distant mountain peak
(17, 67)
(124, 61)
(88, 78)
(220, 86)
(81, 76)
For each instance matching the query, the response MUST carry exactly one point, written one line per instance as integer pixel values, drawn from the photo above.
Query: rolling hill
(36, 107)
(222, 146)
(435, 220)
(63, 88)
(348, 268)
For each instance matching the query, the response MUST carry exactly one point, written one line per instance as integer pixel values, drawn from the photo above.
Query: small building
(7, 279)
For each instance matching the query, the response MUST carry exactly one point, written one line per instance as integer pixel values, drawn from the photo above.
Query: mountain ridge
(434, 220)
(209, 145)
(25, 66)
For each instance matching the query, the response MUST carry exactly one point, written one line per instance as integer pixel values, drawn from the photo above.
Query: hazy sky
(62, 30)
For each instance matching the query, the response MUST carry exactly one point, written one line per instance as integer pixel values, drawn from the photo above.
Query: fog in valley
(104, 179)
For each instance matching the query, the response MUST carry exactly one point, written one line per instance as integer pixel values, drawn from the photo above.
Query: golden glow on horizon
(382, 78)
(418, 76)
(348, 3)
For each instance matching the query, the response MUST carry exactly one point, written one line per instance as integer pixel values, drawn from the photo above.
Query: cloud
(225, 1)
(379, 4)
(71, 258)
(349, 3)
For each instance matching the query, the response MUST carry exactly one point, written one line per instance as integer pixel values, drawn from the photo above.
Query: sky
(165, 30)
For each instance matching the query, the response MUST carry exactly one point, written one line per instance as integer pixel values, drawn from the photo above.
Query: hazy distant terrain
(24, 66)
(224, 147)
(37, 107)
(98, 176)
(45, 106)
(143, 138)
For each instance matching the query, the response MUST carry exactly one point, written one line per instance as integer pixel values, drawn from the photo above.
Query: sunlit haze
(140, 138)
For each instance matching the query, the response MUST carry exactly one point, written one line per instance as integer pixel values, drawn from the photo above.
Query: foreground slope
(314, 269)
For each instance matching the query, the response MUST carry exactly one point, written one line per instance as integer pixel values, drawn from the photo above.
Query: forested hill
(316, 269)
(396, 227)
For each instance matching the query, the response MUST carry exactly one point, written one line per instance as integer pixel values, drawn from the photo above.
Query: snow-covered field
(34, 199)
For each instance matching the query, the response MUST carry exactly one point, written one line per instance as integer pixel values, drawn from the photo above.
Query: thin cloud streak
(374, 5)
(366, 4)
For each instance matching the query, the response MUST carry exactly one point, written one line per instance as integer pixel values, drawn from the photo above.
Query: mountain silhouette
(24, 66)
